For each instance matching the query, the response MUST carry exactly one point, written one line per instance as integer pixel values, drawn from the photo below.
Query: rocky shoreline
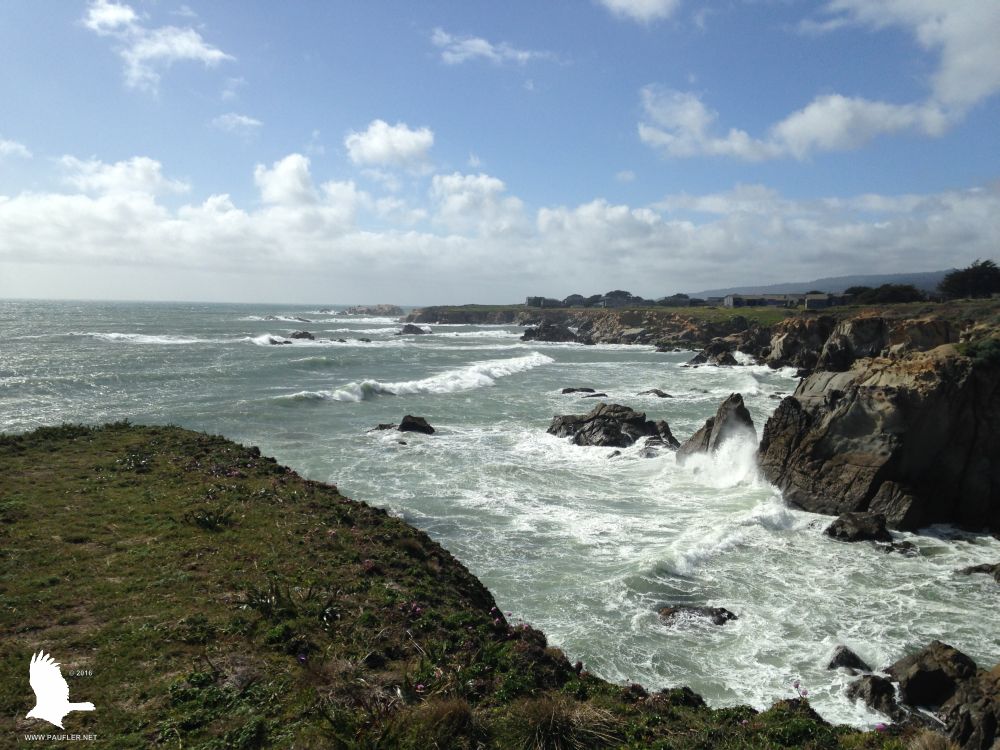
(893, 413)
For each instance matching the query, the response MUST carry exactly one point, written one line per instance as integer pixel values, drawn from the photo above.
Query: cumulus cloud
(146, 50)
(477, 204)
(679, 124)
(642, 11)
(460, 49)
(13, 148)
(231, 122)
(473, 238)
(961, 33)
(140, 175)
(385, 144)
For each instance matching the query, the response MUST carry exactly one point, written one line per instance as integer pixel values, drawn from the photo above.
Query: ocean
(580, 544)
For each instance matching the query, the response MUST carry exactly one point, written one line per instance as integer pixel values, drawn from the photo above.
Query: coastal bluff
(214, 598)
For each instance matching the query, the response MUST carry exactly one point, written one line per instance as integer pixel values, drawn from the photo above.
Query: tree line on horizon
(980, 279)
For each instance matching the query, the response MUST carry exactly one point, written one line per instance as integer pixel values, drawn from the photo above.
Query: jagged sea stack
(731, 419)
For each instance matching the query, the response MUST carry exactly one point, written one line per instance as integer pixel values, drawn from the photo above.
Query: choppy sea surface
(583, 546)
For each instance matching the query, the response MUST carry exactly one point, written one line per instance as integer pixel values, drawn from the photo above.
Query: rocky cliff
(911, 437)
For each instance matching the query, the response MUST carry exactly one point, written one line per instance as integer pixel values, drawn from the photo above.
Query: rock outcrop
(844, 658)
(715, 615)
(549, 332)
(941, 678)
(797, 342)
(387, 311)
(913, 438)
(859, 527)
(302, 335)
(932, 675)
(611, 425)
(731, 419)
(410, 423)
(410, 329)
(987, 568)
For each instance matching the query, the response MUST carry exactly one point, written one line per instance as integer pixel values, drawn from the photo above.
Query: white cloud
(840, 123)
(13, 148)
(231, 122)
(477, 204)
(232, 88)
(387, 144)
(107, 18)
(963, 33)
(459, 49)
(478, 240)
(287, 182)
(642, 11)
(139, 174)
(679, 124)
(146, 50)
(625, 175)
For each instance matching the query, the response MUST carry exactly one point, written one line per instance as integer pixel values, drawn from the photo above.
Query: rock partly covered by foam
(987, 568)
(611, 425)
(731, 420)
(549, 332)
(415, 424)
(859, 527)
(715, 615)
(913, 438)
(844, 658)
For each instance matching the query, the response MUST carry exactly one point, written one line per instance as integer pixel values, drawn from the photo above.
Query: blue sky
(456, 152)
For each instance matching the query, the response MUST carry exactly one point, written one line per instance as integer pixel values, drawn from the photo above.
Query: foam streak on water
(583, 545)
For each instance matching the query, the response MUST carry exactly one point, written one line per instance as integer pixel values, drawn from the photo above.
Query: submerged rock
(716, 615)
(988, 569)
(415, 424)
(277, 342)
(577, 390)
(731, 419)
(610, 425)
(859, 527)
(655, 392)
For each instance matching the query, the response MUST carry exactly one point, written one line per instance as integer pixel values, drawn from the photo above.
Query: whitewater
(582, 544)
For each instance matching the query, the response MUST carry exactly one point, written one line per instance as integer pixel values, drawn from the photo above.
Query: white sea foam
(141, 338)
(477, 375)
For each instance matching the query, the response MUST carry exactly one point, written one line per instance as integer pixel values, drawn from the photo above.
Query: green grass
(218, 600)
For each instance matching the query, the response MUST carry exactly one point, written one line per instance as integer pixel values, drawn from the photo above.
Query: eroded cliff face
(913, 437)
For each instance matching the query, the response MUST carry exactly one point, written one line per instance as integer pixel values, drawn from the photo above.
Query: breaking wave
(477, 375)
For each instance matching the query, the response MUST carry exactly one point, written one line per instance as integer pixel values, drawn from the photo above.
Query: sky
(453, 152)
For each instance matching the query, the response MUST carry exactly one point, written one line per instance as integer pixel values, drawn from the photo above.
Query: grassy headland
(215, 599)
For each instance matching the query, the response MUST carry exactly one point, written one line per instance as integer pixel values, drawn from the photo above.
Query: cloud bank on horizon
(351, 156)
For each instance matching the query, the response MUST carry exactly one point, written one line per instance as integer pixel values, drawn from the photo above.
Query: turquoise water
(583, 546)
